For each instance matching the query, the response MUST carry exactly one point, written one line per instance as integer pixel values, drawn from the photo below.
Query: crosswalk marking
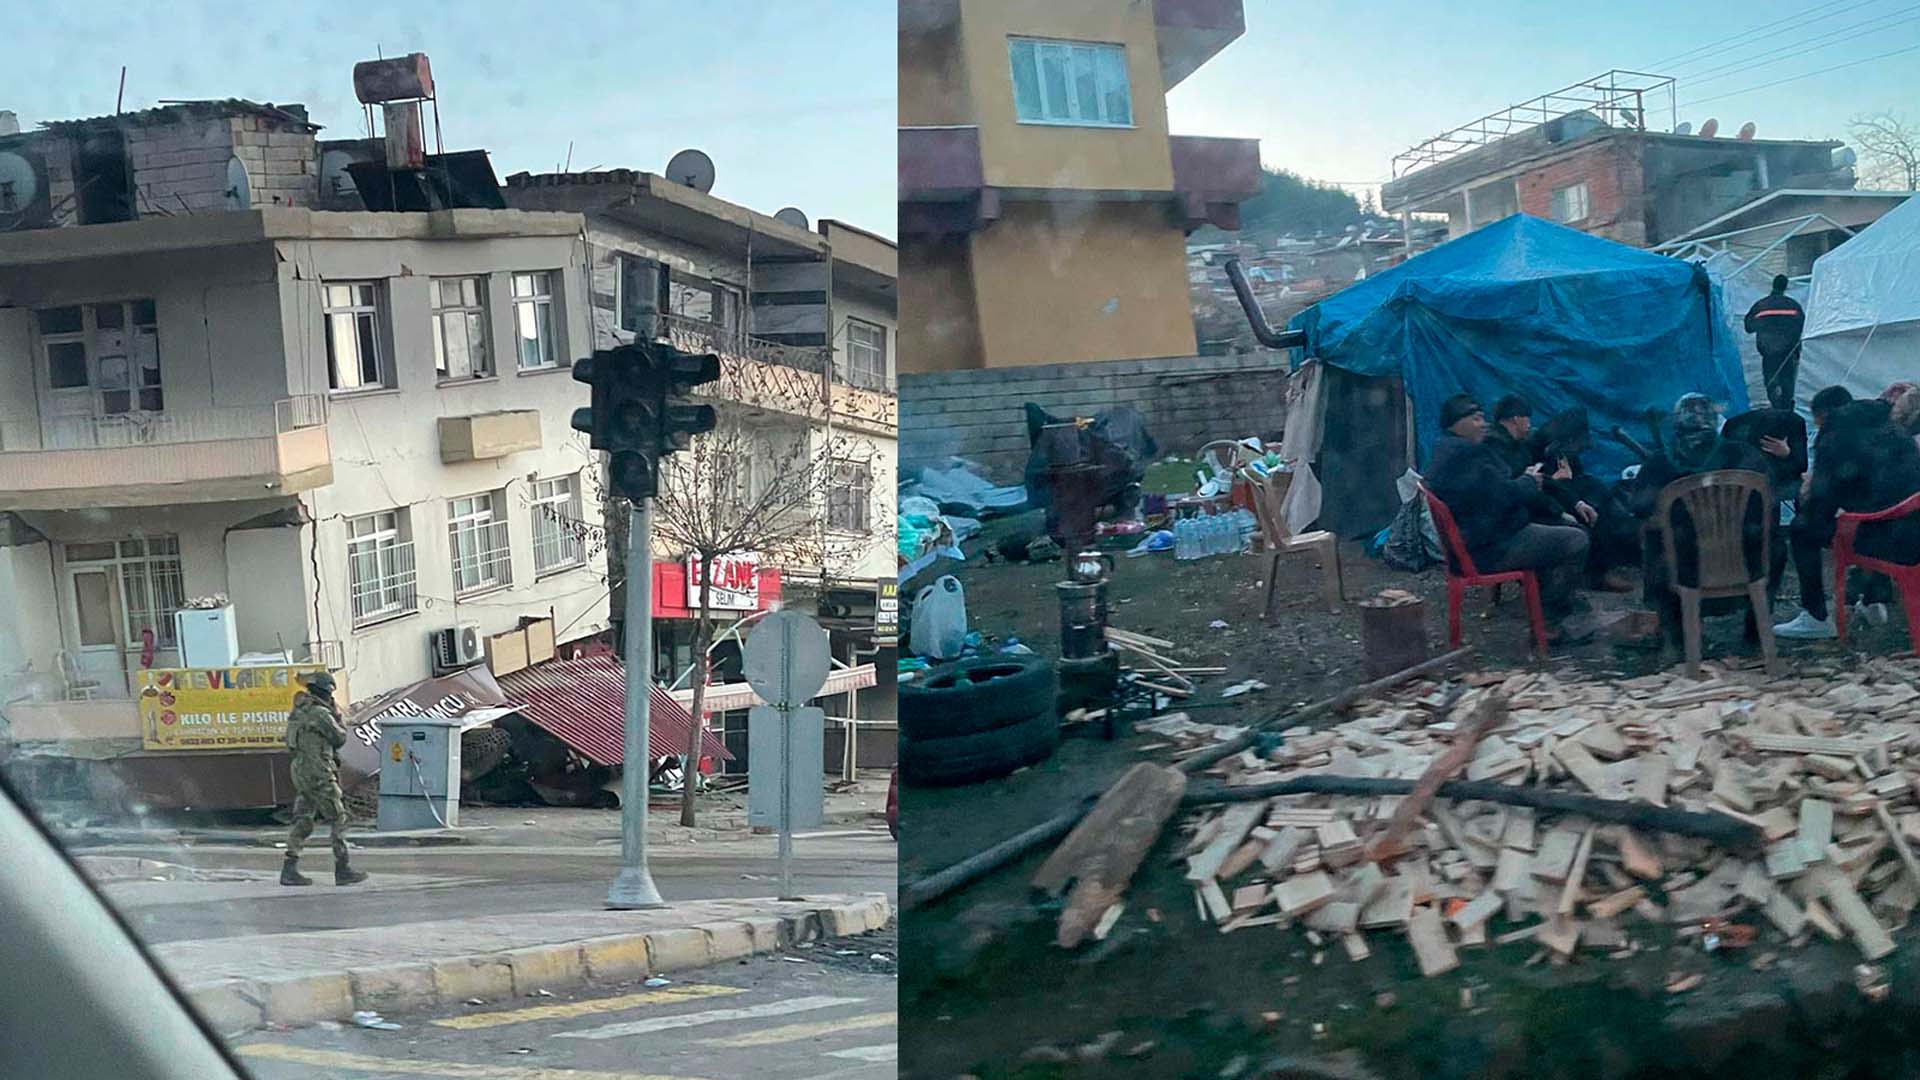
(881, 1052)
(337, 1060)
(670, 995)
(711, 1016)
(796, 1032)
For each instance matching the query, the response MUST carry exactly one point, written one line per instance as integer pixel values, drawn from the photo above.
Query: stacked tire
(977, 719)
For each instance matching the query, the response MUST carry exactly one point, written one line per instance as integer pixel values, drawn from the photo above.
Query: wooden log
(1390, 842)
(1393, 636)
(1102, 855)
(1740, 837)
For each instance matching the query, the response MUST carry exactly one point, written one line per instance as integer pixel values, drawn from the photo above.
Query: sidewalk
(721, 817)
(241, 983)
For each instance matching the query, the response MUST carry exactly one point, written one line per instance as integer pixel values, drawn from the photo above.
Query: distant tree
(1289, 202)
(1889, 150)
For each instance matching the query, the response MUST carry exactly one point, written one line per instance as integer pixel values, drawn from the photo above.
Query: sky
(793, 100)
(1334, 96)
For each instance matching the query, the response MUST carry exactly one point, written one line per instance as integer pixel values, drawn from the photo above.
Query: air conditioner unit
(457, 647)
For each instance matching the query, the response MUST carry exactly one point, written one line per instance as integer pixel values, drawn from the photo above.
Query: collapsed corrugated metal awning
(726, 697)
(583, 704)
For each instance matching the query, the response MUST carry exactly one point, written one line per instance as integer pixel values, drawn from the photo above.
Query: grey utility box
(419, 773)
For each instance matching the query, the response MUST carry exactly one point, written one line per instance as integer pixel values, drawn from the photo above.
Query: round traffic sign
(786, 659)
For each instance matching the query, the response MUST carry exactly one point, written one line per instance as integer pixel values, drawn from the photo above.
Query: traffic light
(637, 414)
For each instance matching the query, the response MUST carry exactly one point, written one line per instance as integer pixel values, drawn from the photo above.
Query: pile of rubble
(1824, 766)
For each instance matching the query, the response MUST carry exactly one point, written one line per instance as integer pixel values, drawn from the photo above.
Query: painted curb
(233, 1006)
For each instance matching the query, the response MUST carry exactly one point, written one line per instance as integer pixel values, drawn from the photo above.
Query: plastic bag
(939, 628)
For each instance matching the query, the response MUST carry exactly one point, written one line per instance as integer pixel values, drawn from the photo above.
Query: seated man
(1698, 447)
(1491, 508)
(1511, 439)
(1862, 463)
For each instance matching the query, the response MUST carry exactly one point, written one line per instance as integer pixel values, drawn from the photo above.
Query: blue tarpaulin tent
(1530, 307)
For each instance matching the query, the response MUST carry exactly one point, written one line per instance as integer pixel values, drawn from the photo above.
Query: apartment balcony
(165, 458)
(485, 436)
(1212, 177)
(1191, 32)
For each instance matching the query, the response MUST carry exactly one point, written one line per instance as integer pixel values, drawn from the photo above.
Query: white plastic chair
(79, 688)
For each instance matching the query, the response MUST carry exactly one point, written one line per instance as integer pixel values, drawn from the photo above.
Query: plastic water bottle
(1183, 539)
(1217, 535)
(1247, 524)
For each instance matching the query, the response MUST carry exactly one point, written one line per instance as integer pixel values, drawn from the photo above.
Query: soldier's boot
(290, 872)
(344, 874)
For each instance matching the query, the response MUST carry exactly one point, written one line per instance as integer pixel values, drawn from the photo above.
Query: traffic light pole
(633, 887)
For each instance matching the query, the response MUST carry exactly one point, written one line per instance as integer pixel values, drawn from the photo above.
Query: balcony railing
(698, 335)
(170, 427)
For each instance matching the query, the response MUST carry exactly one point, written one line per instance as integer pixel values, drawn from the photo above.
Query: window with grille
(533, 321)
(866, 355)
(1070, 82)
(1569, 204)
(152, 586)
(356, 353)
(381, 567)
(557, 543)
(482, 558)
(107, 352)
(460, 328)
(849, 489)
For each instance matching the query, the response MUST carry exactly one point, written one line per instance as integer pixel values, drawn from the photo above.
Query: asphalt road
(825, 1013)
(420, 884)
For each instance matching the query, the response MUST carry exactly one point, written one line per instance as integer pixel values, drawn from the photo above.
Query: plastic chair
(1281, 541)
(1717, 503)
(1463, 575)
(78, 687)
(1905, 578)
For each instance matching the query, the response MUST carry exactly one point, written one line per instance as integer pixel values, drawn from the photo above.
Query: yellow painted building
(1043, 203)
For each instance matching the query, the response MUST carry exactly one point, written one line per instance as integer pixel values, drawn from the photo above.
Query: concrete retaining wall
(1186, 401)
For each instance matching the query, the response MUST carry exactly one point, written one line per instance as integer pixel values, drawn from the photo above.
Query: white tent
(1863, 311)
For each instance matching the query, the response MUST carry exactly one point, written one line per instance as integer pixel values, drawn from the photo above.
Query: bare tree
(1890, 150)
(784, 492)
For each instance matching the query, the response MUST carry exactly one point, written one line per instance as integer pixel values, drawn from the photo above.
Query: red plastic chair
(1905, 578)
(1463, 575)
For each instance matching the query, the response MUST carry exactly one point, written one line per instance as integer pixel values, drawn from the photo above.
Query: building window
(557, 544)
(356, 359)
(460, 328)
(482, 558)
(641, 293)
(1570, 203)
(381, 567)
(866, 364)
(106, 354)
(150, 584)
(849, 485)
(533, 321)
(1070, 82)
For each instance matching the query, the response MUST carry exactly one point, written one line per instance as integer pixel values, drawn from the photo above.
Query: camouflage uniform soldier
(315, 735)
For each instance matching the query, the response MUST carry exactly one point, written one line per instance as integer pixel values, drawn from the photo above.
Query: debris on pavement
(367, 1018)
(657, 981)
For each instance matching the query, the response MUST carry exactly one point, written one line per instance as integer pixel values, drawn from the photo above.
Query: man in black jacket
(1511, 439)
(1862, 463)
(1491, 508)
(1775, 321)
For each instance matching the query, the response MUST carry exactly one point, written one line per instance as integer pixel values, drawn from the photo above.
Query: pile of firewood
(1814, 779)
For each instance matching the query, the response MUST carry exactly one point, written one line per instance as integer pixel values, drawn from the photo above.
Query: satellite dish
(1684, 127)
(691, 168)
(1709, 129)
(1746, 131)
(792, 215)
(21, 181)
(239, 185)
(335, 180)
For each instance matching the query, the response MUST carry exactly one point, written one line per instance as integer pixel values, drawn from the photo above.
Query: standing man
(1490, 506)
(315, 735)
(1775, 321)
